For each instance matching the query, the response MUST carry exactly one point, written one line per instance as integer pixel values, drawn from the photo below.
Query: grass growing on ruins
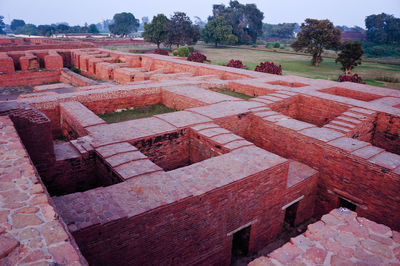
(136, 113)
(234, 94)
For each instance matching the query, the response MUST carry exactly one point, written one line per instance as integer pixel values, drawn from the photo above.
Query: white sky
(340, 12)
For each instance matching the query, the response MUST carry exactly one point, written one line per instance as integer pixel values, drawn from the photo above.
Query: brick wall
(29, 78)
(375, 190)
(193, 230)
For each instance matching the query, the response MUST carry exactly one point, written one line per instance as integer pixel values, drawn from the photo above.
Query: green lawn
(234, 94)
(136, 113)
(300, 65)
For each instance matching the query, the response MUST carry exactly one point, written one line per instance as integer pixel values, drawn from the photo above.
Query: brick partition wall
(29, 78)
(181, 187)
(152, 228)
(341, 238)
(31, 231)
(340, 162)
(34, 130)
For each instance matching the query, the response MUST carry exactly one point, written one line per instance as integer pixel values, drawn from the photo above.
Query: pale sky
(340, 12)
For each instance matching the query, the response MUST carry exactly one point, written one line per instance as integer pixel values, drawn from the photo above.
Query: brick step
(338, 128)
(354, 116)
(342, 124)
(361, 111)
(270, 98)
(348, 120)
(259, 100)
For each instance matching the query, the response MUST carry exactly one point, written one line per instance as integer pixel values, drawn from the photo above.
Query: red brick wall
(178, 149)
(312, 110)
(373, 186)
(387, 132)
(179, 102)
(29, 78)
(174, 233)
(34, 129)
(75, 79)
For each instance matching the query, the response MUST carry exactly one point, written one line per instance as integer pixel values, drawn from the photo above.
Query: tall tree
(217, 30)
(28, 29)
(350, 55)
(124, 23)
(383, 28)
(46, 30)
(16, 23)
(156, 31)
(246, 20)
(2, 25)
(181, 30)
(315, 36)
(93, 28)
(281, 31)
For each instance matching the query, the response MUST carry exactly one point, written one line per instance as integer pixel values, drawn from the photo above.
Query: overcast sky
(340, 12)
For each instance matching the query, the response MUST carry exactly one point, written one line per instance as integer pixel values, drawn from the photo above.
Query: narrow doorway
(240, 243)
(290, 214)
(347, 204)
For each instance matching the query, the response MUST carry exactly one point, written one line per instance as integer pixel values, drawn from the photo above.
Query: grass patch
(388, 79)
(373, 82)
(234, 94)
(75, 70)
(136, 113)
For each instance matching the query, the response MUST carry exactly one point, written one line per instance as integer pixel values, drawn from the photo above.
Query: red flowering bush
(161, 51)
(355, 78)
(197, 57)
(269, 67)
(236, 64)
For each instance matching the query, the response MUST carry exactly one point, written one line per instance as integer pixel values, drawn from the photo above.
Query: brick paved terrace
(219, 178)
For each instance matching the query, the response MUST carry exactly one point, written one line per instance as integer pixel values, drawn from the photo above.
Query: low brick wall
(31, 229)
(25, 78)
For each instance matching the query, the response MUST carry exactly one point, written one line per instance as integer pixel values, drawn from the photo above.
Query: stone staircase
(353, 121)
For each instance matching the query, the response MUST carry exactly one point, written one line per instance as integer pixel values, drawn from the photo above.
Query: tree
(156, 31)
(217, 31)
(46, 30)
(2, 25)
(383, 28)
(62, 28)
(17, 23)
(28, 29)
(246, 20)
(281, 31)
(93, 28)
(350, 55)
(181, 30)
(315, 36)
(124, 23)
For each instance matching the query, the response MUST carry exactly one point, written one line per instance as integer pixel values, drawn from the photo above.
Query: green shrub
(269, 45)
(388, 79)
(232, 39)
(175, 52)
(191, 49)
(381, 50)
(277, 45)
(183, 51)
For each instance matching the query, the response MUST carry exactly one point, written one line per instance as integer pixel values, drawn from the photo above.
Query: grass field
(293, 64)
(300, 65)
(234, 94)
(136, 113)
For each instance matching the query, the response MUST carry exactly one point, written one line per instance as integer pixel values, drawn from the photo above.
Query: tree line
(18, 26)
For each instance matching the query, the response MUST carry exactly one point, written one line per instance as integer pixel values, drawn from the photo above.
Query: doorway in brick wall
(290, 214)
(240, 243)
(347, 204)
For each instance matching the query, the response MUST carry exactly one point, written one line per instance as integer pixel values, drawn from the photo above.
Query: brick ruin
(196, 185)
